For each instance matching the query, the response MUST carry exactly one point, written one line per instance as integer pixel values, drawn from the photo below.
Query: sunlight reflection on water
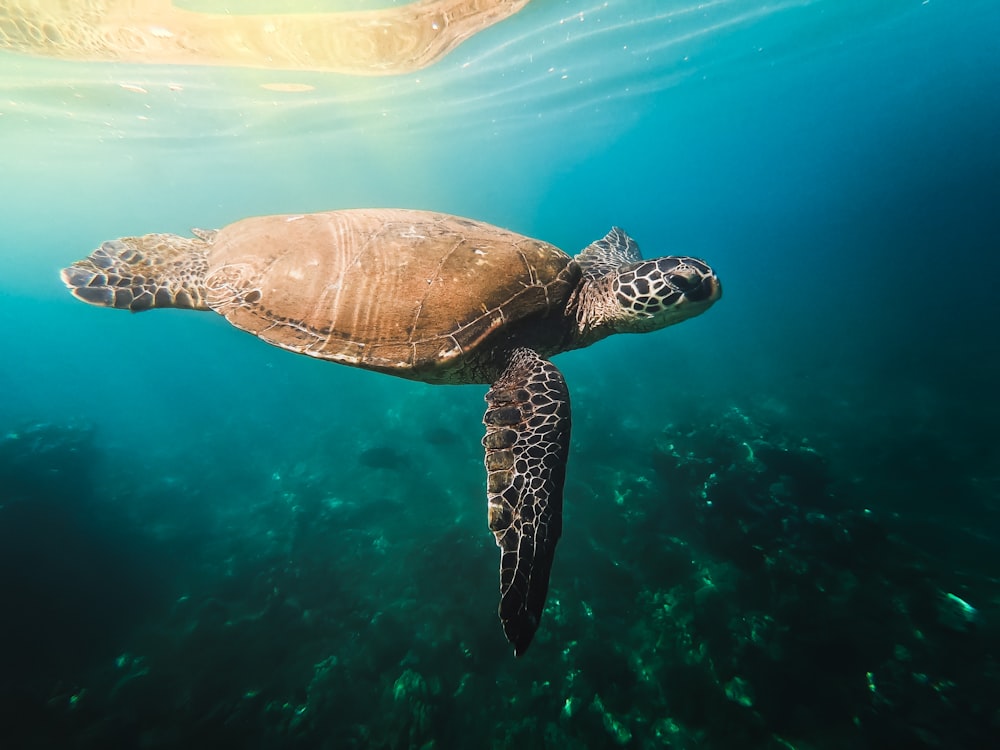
(540, 64)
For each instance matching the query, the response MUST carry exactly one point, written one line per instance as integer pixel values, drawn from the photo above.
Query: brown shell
(414, 293)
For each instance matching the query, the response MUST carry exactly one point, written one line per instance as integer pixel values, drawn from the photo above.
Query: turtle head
(657, 293)
(645, 295)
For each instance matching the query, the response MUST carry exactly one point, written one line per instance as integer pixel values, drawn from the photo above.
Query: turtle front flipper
(140, 273)
(527, 442)
(612, 251)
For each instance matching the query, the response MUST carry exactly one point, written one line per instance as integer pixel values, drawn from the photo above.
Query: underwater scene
(778, 517)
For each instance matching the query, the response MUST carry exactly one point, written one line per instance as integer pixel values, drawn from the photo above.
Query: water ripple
(600, 65)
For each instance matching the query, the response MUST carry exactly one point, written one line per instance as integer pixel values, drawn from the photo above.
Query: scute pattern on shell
(414, 293)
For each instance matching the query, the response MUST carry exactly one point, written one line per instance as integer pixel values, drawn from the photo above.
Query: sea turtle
(430, 297)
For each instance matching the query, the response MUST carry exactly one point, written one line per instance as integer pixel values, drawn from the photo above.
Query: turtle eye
(701, 287)
(686, 278)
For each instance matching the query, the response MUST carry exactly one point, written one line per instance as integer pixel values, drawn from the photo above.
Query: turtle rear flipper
(140, 273)
(527, 443)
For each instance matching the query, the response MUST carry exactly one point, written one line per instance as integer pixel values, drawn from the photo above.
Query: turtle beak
(709, 289)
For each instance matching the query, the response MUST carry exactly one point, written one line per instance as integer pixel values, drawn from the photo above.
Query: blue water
(781, 517)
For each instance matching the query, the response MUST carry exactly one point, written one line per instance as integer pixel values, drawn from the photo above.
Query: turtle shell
(422, 295)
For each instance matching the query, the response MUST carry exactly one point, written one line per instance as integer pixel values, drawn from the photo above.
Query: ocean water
(781, 517)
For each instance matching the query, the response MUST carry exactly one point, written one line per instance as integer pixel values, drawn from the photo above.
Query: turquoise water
(780, 517)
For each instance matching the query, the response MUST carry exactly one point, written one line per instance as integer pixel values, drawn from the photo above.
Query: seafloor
(727, 583)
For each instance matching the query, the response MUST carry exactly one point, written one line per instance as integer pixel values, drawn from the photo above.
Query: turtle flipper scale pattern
(613, 250)
(527, 442)
(140, 273)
